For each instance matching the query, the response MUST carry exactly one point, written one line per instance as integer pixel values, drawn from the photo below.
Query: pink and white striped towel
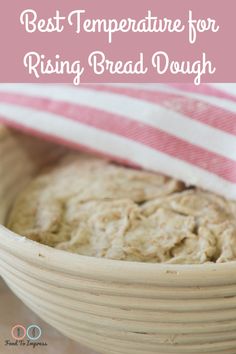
(181, 130)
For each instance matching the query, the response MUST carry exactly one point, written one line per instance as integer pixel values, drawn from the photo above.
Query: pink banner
(117, 41)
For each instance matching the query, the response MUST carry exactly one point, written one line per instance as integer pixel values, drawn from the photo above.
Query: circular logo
(34, 332)
(18, 332)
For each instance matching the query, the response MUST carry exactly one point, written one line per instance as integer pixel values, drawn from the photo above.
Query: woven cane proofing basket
(113, 307)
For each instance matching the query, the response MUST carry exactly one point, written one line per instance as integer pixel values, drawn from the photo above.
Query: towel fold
(182, 130)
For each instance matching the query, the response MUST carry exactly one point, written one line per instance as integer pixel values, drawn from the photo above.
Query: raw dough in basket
(93, 207)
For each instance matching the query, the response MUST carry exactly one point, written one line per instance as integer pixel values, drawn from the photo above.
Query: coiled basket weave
(113, 307)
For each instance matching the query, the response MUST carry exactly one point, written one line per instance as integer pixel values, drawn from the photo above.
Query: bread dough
(93, 207)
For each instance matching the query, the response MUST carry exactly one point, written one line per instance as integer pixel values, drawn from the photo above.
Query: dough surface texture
(93, 207)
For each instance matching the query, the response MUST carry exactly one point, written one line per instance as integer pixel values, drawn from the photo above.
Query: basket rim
(32, 252)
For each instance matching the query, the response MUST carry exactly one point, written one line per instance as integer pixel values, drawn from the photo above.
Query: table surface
(13, 311)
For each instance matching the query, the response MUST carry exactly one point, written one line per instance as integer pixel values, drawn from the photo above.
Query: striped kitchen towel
(182, 130)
